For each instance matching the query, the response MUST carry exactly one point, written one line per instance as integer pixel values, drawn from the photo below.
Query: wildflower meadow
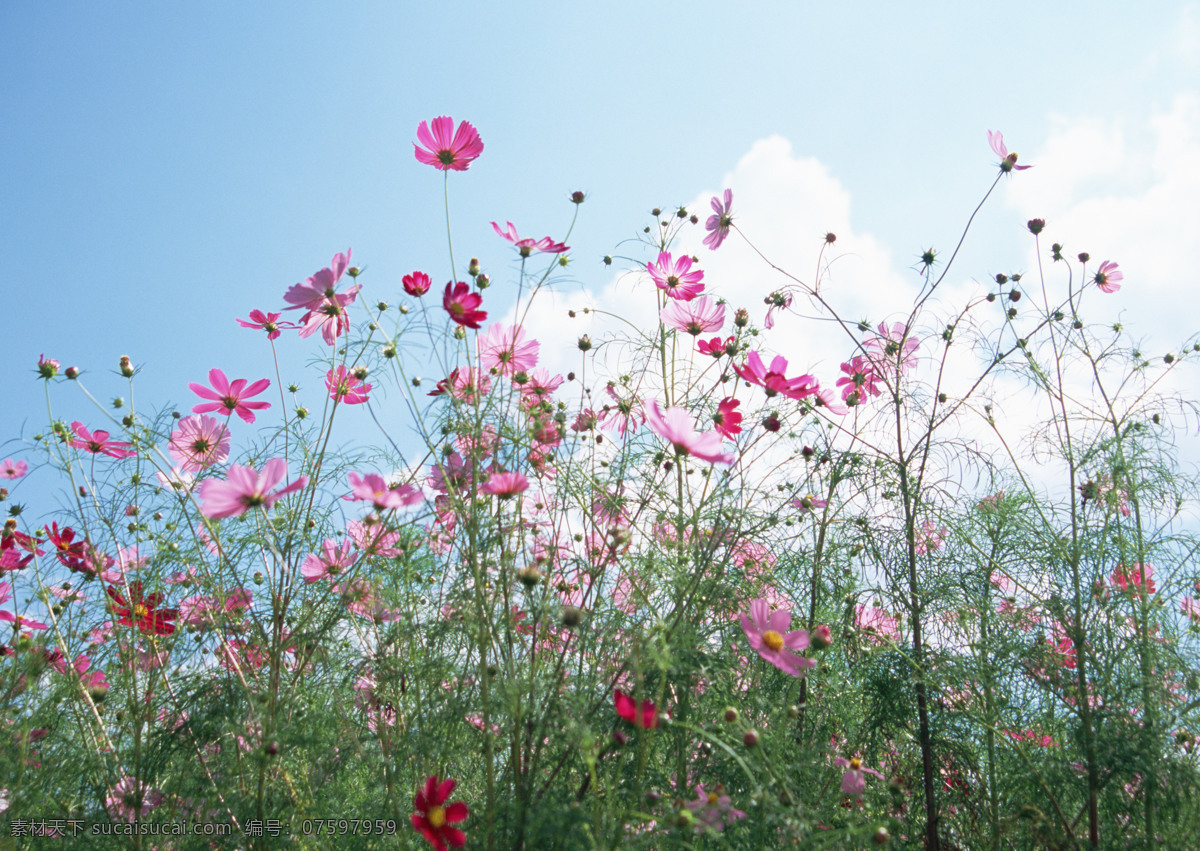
(681, 594)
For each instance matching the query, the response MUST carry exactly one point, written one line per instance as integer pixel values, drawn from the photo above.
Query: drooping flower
(675, 426)
(675, 276)
(774, 380)
(141, 611)
(97, 442)
(244, 489)
(645, 716)
(505, 485)
(346, 387)
(1008, 162)
(718, 224)
(326, 307)
(713, 810)
(1107, 277)
(527, 245)
(768, 634)
(268, 322)
(775, 301)
(434, 818)
(198, 443)
(695, 317)
(331, 561)
(445, 148)
(373, 487)
(229, 396)
(10, 469)
(462, 305)
(726, 419)
(504, 349)
(854, 781)
(416, 284)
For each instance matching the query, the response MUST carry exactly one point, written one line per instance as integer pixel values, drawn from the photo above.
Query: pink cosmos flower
(504, 349)
(268, 322)
(827, 398)
(726, 419)
(713, 810)
(132, 799)
(854, 780)
(527, 246)
(695, 317)
(807, 503)
(929, 537)
(374, 539)
(716, 347)
(331, 562)
(434, 818)
(416, 284)
(777, 301)
(326, 307)
(375, 488)
(774, 380)
(1107, 277)
(645, 716)
(244, 489)
(445, 148)
(893, 348)
(346, 387)
(198, 443)
(97, 442)
(1191, 608)
(768, 634)
(675, 426)
(876, 623)
(1008, 162)
(462, 305)
(466, 386)
(625, 414)
(228, 397)
(860, 380)
(1135, 580)
(675, 276)
(505, 485)
(718, 224)
(10, 469)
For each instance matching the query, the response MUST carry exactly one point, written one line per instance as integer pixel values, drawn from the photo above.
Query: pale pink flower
(695, 317)
(229, 397)
(807, 503)
(132, 799)
(527, 246)
(893, 348)
(374, 539)
(243, 489)
(332, 561)
(10, 469)
(346, 387)
(374, 488)
(777, 301)
(1008, 162)
(1107, 277)
(854, 781)
(625, 414)
(713, 810)
(445, 148)
(176, 479)
(1191, 608)
(198, 443)
(929, 537)
(876, 623)
(675, 426)
(768, 634)
(675, 276)
(860, 380)
(505, 485)
(505, 350)
(326, 307)
(718, 224)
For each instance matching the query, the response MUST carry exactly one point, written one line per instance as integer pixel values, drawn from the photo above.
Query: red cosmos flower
(228, 396)
(462, 305)
(434, 818)
(627, 708)
(416, 284)
(140, 611)
(97, 442)
(445, 151)
(527, 246)
(268, 322)
(726, 419)
(72, 553)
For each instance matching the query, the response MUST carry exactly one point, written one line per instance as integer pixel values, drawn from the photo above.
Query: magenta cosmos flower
(97, 442)
(229, 396)
(504, 349)
(132, 799)
(268, 322)
(768, 634)
(445, 148)
(198, 443)
(727, 420)
(1008, 162)
(244, 489)
(695, 317)
(416, 284)
(434, 818)
(346, 387)
(10, 469)
(527, 246)
(675, 426)
(675, 276)
(1107, 277)
(462, 305)
(645, 716)
(775, 380)
(326, 307)
(718, 224)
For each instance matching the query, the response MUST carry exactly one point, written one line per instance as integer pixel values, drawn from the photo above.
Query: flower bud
(1036, 226)
(126, 366)
(750, 738)
(473, 267)
(71, 372)
(585, 343)
(821, 637)
(1084, 257)
(741, 318)
(47, 368)
(731, 715)
(577, 197)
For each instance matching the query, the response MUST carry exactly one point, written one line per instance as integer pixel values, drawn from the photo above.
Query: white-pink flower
(768, 634)
(504, 349)
(243, 489)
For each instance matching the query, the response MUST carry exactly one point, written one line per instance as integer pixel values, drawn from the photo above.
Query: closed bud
(1036, 226)
(741, 318)
(750, 738)
(731, 715)
(577, 197)
(1084, 257)
(126, 366)
(71, 372)
(473, 267)
(585, 343)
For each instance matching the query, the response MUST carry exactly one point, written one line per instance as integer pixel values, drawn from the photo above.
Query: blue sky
(170, 167)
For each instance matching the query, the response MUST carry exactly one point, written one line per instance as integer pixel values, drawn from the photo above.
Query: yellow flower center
(437, 816)
(140, 611)
(713, 799)
(773, 639)
(855, 764)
